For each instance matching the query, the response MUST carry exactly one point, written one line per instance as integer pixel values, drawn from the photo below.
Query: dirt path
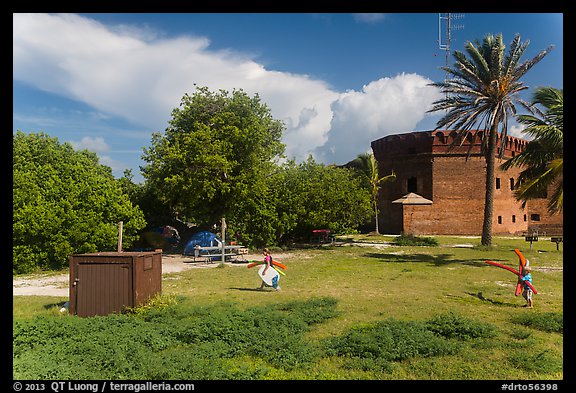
(58, 285)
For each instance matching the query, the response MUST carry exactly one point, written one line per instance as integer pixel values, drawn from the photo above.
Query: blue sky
(105, 82)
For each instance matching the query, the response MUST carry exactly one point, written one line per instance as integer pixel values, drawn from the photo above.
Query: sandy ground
(58, 285)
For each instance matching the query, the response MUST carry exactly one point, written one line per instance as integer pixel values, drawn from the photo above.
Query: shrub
(542, 362)
(389, 340)
(411, 240)
(451, 325)
(546, 322)
(169, 340)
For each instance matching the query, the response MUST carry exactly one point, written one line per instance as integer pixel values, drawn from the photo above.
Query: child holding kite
(268, 263)
(527, 293)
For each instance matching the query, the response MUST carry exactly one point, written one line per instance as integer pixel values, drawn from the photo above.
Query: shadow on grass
(435, 260)
(253, 289)
(480, 296)
(52, 305)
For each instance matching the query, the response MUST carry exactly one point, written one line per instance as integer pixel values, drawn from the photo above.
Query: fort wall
(451, 172)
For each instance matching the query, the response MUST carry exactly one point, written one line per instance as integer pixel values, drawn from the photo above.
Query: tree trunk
(376, 216)
(490, 180)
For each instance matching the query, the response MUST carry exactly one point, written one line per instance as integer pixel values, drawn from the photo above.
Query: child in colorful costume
(527, 292)
(268, 262)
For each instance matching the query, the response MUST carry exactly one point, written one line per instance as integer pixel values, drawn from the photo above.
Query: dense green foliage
(220, 157)
(169, 343)
(223, 342)
(315, 196)
(64, 202)
(367, 165)
(542, 161)
(547, 321)
(411, 240)
(218, 151)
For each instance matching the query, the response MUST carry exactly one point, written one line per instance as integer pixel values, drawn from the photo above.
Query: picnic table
(214, 253)
(320, 235)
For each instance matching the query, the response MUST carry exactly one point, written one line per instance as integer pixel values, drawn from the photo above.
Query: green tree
(315, 196)
(483, 92)
(64, 202)
(214, 159)
(366, 163)
(543, 158)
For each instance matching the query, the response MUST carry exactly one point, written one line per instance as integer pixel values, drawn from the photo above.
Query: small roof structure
(413, 199)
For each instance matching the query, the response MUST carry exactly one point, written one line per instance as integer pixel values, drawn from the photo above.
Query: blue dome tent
(202, 239)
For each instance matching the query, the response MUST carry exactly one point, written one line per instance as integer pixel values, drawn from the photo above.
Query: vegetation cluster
(222, 341)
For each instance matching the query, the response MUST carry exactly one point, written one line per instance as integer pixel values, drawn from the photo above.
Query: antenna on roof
(445, 24)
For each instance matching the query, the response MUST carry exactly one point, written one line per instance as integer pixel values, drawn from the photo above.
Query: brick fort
(440, 187)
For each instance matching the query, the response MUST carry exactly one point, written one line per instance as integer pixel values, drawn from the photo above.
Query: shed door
(103, 288)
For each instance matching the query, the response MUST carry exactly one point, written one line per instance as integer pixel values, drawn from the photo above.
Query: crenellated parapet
(441, 142)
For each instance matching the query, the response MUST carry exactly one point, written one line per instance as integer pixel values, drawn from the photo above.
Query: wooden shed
(109, 282)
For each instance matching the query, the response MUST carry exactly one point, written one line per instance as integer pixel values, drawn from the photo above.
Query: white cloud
(96, 144)
(141, 76)
(516, 130)
(368, 18)
(383, 107)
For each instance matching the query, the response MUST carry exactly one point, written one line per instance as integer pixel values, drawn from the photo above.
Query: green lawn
(344, 312)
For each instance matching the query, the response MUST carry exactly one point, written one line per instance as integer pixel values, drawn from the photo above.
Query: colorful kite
(275, 265)
(523, 262)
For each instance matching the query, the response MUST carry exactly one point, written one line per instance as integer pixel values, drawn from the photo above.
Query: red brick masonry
(451, 173)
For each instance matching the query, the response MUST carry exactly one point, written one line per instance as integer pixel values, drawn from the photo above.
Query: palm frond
(482, 67)
(528, 64)
(513, 57)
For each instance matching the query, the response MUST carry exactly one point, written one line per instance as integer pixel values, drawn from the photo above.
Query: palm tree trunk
(376, 215)
(490, 180)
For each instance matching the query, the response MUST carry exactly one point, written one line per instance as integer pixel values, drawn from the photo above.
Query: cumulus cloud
(368, 18)
(95, 144)
(386, 106)
(516, 130)
(141, 76)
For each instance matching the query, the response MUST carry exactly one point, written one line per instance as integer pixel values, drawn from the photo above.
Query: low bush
(546, 322)
(169, 341)
(450, 325)
(411, 240)
(389, 340)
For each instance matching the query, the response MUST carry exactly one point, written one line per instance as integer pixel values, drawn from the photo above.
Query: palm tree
(367, 164)
(483, 93)
(543, 157)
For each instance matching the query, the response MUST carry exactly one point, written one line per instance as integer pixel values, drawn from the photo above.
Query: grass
(344, 312)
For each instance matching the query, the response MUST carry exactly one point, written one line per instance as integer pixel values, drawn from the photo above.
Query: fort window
(513, 218)
(411, 185)
(497, 183)
(441, 137)
(511, 183)
(535, 217)
(499, 219)
(525, 218)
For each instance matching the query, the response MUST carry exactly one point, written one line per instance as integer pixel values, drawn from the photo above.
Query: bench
(531, 238)
(557, 240)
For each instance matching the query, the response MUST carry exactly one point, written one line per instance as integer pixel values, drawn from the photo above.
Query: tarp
(203, 239)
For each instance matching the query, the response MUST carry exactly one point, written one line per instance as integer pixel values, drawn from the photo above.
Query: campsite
(361, 308)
